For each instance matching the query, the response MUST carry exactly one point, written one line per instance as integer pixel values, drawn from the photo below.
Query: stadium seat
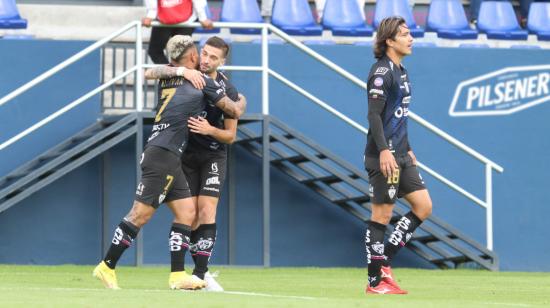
(344, 18)
(9, 16)
(364, 43)
(448, 19)
(319, 42)
(203, 30)
(498, 20)
(472, 45)
(525, 47)
(424, 44)
(242, 11)
(387, 8)
(274, 41)
(538, 21)
(295, 17)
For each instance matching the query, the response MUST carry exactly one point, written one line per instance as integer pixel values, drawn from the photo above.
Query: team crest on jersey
(392, 191)
(381, 71)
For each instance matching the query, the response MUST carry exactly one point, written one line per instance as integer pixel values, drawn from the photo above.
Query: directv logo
(502, 92)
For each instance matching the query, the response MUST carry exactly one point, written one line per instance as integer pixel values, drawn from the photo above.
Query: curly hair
(178, 46)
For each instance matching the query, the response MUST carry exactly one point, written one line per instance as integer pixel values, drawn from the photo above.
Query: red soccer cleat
(384, 288)
(387, 276)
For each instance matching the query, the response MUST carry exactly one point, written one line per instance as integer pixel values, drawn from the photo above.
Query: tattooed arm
(232, 108)
(166, 72)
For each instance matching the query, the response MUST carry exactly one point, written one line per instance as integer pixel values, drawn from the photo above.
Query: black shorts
(204, 170)
(162, 179)
(387, 190)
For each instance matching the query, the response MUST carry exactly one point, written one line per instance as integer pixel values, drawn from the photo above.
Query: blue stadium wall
(62, 223)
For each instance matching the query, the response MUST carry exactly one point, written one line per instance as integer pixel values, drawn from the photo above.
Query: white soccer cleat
(211, 284)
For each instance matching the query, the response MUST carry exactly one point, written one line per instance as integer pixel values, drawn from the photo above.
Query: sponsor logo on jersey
(376, 91)
(140, 188)
(381, 71)
(170, 3)
(153, 135)
(502, 92)
(159, 127)
(214, 168)
(371, 191)
(378, 81)
(213, 181)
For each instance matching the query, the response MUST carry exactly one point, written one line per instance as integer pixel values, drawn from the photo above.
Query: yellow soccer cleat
(181, 280)
(106, 275)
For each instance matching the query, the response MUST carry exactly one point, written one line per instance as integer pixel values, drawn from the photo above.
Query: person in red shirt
(171, 12)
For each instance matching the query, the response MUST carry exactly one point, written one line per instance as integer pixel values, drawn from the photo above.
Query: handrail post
(139, 72)
(265, 72)
(489, 204)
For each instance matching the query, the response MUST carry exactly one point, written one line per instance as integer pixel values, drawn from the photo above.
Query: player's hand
(207, 24)
(146, 21)
(195, 77)
(388, 165)
(199, 125)
(411, 154)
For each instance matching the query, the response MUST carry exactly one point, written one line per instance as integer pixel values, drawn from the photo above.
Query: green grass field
(74, 286)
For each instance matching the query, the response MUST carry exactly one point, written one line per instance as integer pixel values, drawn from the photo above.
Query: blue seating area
(344, 18)
(387, 8)
(9, 16)
(448, 19)
(241, 11)
(538, 21)
(295, 18)
(498, 20)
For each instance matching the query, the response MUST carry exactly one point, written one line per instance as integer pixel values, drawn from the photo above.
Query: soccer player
(205, 159)
(389, 159)
(162, 177)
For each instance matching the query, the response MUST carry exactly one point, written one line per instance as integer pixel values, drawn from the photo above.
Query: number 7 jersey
(179, 100)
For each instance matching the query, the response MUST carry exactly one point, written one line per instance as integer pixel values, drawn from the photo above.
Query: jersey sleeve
(378, 87)
(379, 84)
(213, 91)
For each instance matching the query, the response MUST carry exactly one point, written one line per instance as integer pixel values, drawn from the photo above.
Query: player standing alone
(389, 159)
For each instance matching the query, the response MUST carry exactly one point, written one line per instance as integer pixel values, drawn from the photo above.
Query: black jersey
(215, 117)
(179, 100)
(389, 84)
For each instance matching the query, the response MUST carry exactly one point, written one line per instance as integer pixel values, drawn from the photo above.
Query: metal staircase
(346, 186)
(65, 157)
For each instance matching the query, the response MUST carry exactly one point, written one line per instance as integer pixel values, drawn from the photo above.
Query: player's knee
(425, 210)
(140, 214)
(382, 217)
(207, 215)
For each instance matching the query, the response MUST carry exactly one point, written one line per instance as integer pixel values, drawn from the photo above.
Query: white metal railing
(136, 68)
(266, 72)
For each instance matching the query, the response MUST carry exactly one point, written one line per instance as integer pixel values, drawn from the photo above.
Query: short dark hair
(217, 42)
(388, 29)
